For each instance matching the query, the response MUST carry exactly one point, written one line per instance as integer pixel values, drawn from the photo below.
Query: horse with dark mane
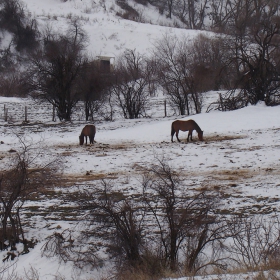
(88, 131)
(188, 125)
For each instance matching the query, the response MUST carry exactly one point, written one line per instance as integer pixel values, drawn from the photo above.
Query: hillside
(109, 34)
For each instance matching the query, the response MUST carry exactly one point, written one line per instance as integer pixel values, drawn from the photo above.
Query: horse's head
(81, 139)
(200, 135)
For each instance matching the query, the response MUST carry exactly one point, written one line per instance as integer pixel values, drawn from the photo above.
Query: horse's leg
(177, 133)
(86, 140)
(172, 134)
(190, 135)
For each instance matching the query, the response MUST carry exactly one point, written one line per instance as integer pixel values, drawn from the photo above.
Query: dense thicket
(14, 18)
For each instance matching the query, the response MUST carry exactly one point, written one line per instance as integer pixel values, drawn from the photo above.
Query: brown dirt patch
(232, 177)
(76, 179)
(220, 138)
(98, 146)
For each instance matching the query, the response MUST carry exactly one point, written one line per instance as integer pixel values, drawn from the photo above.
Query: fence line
(33, 112)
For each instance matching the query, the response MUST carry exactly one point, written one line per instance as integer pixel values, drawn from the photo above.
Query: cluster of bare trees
(250, 50)
(62, 74)
(257, 58)
(246, 66)
(243, 60)
(165, 228)
(219, 15)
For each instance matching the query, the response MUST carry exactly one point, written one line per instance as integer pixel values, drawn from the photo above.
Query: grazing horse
(189, 125)
(88, 131)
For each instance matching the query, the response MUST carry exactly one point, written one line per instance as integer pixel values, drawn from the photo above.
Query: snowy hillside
(109, 35)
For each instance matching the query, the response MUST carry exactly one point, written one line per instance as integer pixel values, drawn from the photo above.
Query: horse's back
(184, 125)
(89, 130)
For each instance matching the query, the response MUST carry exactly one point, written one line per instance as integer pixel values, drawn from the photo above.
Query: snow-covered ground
(240, 152)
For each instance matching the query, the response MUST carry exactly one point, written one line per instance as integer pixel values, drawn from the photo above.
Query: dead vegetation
(220, 138)
(78, 179)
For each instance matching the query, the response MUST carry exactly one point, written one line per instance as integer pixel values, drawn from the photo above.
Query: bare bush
(69, 246)
(256, 242)
(186, 224)
(229, 101)
(60, 245)
(12, 85)
(114, 218)
(130, 88)
(24, 177)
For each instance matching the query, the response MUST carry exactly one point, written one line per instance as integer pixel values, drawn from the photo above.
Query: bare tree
(257, 64)
(183, 220)
(219, 14)
(25, 177)
(12, 83)
(116, 219)
(57, 68)
(210, 70)
(170, 6)
(196, 13)
(93, 85)
(130, 87)
(255, 242)
(175, 74)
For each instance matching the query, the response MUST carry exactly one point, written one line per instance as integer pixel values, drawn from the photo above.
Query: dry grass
(220, 138)
(76, 179)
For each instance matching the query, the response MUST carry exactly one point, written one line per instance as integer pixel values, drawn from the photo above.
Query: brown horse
(88, 131)
(189, 125)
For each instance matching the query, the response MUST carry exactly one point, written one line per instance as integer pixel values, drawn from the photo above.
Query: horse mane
(197, 128)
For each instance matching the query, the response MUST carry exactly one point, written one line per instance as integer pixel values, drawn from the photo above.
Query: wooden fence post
(5, 113)
(53, 114)
(25, 114)
(165, 113)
